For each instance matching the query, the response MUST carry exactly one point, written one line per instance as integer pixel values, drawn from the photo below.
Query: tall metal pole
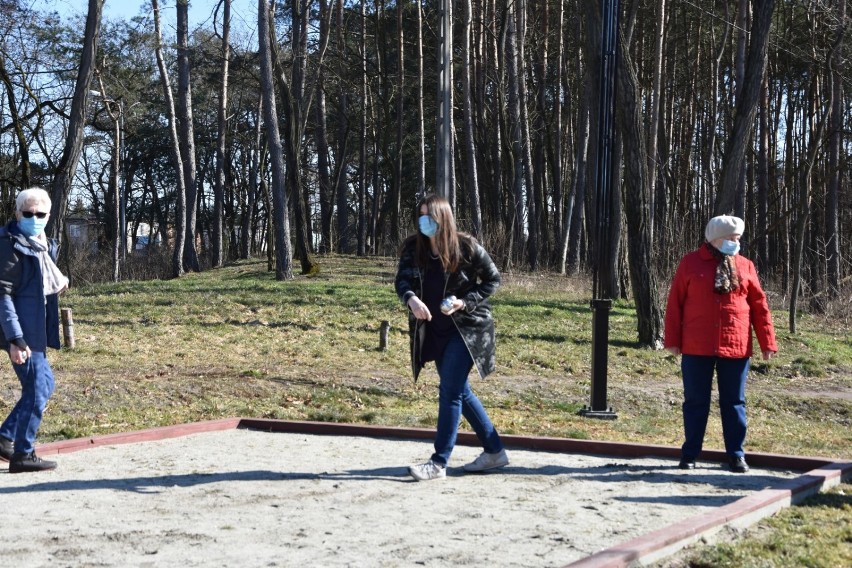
(602, 305)
(444, 136)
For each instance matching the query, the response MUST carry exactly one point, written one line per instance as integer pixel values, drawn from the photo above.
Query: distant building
(83, 232)
(145, 238)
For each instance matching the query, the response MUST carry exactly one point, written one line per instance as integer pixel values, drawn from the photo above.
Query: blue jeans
(37, 385)
(455, 399)
(731, 375)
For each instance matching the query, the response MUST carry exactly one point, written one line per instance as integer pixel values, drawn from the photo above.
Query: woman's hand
(673, 350)
(767, 355)
(419, 309)
(457, 305)
(17, 355)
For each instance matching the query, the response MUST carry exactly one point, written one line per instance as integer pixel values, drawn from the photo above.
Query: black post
(600, 341)
(601, 305)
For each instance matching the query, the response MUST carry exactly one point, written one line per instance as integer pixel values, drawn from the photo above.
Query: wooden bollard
(383, 335)
(67, 328)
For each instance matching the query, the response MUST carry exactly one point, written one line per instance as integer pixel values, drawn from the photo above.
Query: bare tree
(421, 129)
(326, 191)
(362, 138)
(530, 189)
(221, 156)
(637, 212)
(113, 200)
(400, 121)
(174, 149)
(186, 132)
(280, 216)
(805, 182)
(467, 111)
(67, 166)
(653, 117)
(17, 123)
(342, 183)
(515, 129)
(555, 90)
(297, 98)
(835, 171)
(735, 149)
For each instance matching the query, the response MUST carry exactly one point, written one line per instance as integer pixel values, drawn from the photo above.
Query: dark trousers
(697, 384)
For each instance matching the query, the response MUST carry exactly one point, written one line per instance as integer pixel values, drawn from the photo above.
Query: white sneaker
(487, 461)
(427, 471)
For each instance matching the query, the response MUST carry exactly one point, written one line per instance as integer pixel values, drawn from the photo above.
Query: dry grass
(237, 342)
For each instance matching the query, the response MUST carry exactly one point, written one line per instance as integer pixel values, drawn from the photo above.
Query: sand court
(239, 493)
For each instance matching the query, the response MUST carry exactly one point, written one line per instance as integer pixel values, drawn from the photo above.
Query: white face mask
(730, 248)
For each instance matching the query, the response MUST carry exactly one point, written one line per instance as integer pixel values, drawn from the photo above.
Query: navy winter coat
(24, 310)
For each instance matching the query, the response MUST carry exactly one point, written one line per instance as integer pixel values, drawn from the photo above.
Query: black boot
(739, 465)
(7, 448)
(21, 463)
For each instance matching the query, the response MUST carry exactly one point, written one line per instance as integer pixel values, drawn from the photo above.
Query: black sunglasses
(30, 214)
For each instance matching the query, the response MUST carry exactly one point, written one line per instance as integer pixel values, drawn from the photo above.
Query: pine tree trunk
(342, 185)
(174, 150)
(362, 141)
(835, 173)
(530, 189)
(67, 167)
(280, 214)
(218, 256)
(469, 141)
(187, 135)
(746, 111)
(643, 281)
(421, 127)
(516, 135)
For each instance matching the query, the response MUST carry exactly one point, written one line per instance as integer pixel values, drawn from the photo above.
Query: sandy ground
(247, 498)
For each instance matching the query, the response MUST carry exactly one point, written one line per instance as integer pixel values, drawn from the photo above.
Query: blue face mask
(32, 226)
(731, 248)
(428, 226)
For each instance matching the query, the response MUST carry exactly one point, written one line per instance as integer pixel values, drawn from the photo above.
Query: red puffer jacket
(701, 322)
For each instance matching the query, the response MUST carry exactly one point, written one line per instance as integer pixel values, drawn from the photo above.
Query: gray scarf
(54, 281)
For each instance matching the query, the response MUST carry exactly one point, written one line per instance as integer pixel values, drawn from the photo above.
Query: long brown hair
(447, 239)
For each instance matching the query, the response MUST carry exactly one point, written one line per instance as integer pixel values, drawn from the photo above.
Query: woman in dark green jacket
(440, 265)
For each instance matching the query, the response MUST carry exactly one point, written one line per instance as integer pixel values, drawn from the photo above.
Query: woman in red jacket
(714, 302)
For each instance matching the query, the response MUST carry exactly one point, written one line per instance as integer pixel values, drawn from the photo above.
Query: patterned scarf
(726, 279)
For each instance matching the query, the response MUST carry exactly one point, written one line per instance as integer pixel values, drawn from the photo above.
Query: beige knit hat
(722, 226)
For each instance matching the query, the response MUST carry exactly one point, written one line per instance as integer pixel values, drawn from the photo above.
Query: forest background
(311, 129)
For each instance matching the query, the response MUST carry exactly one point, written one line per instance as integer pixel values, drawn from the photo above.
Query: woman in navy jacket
(29, 317)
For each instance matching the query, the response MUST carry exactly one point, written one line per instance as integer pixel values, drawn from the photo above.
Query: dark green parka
(475, 280)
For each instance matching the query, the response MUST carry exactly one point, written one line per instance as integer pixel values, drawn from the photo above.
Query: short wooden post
(383, 335)
(67, 328)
